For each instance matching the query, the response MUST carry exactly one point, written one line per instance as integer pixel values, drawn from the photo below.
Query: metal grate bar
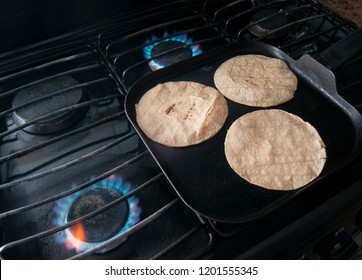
(177, 242)
(161, 39)
(128, 232)
(48, 78)
(271, 16)
(120, 86)
(124, 73)
(139, 20)
(76, 189)
(350, 85)
(45, 65)
(86, 217)
(149, 29)
(35, 100)
(239, 15)
(291, 24)
(68, 164)
(228, 6)
(65, 109)
(308, 38)
(61, 137)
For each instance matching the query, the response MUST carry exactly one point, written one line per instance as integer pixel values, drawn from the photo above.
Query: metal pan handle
(323, 78)
(332, 58)
(318, 75)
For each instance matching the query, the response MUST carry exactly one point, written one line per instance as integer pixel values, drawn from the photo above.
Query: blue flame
(63, 205)
(147, 51)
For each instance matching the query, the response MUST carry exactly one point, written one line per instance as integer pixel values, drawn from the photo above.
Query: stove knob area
(337, 245)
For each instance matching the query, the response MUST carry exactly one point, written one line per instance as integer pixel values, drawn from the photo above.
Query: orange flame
(76, 237)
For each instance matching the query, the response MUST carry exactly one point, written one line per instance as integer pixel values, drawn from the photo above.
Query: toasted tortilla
(275, 150)
(180, 114)
(256, 80)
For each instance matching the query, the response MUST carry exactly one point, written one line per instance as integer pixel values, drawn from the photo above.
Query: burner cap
(104, 225)
(176, 51)
(56, 122)
(266, 26)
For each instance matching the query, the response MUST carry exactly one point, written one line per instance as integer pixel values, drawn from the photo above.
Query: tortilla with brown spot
(256, 80)
(180, 114)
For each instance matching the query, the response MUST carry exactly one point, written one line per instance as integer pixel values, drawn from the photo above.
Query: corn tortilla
(275, 150)
(256, 80)
(180, 114)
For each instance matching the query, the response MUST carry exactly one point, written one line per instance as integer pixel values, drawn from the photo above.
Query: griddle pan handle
(322, 77)
(343, 51)
(317, 74)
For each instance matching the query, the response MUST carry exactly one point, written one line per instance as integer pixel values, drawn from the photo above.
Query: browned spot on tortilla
(169, 109)
(189, 111)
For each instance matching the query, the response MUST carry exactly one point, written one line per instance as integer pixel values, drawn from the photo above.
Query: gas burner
(54, 123)
(169, 51)
(273, 20)
(110, 223)
(176, 51)
(103, 226)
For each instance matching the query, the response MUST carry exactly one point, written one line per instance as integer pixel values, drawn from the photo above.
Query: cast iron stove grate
(50, 170)
(296, 27)
(115, 55)
(157, 40)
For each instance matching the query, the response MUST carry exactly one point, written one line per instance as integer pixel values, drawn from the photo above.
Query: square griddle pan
(201, 175)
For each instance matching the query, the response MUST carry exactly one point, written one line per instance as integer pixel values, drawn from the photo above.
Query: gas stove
(76, 180)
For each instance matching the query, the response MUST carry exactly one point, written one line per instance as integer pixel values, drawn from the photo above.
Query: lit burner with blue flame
(112, 222)
(169, 50)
